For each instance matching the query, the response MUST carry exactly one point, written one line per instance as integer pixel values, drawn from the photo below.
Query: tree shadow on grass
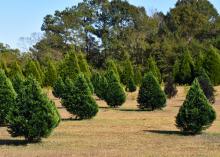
(12, 142)
(71, 119)
(133, 110)
(165, 132)
(104, 107)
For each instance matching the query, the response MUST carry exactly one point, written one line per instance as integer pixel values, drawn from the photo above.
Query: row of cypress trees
(25, 109)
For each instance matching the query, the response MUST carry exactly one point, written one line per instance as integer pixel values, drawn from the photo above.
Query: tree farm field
(120, 132)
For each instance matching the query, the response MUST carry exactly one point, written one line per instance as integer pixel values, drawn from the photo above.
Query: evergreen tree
(131, 87)
(88, 81)
(212, 65)
(5, 68)
(17, 81)
(151, 96)
(206, 86)
(196, 114)
(115, 94)
(137, 76)
(58, 87)
(100, 85)
(33, 116)
(15, 69)
(111, 65)
(7, 96)
(78, 100)
(84, 67)
(32, 70)
(152, 67)
(170, 87)
(50, 75)
(69, 67)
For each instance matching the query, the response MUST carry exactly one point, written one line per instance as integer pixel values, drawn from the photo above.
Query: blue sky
(21, 18)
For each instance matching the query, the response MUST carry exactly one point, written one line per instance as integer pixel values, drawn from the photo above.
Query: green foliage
(78, 100)
(206, 86)
(7, 96)
(170, 87)
(184, 70)
(17, 80)
(115, 94)
(100, 84)
(50, 75)
(84, 67)
(69, 68)
(32, 70)
(58, 88)
(137, 76)
(196, 114)
(88, 81)
(151, 96)
(111, 65)
(33, 116)
(212, 65)
(15, 69)
(131, 87)
(152, 67)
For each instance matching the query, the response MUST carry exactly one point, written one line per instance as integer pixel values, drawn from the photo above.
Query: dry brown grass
(122, 132)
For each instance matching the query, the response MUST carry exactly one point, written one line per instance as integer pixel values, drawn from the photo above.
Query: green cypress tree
(91, 88)
(33, 116)
(17, 81)
(5, 68)
(69, 68)
(7, 96)
(50, 75)
(176, 68)
(84, 67)
(15, 69)
(206, 86)
(40, 70)
(31, 70)
(152, 67)
(111, 65)
(115, 94)
(137, 76)
(212, 65)
(131, 87)
(100, 84)
(151, 96)
(196, 114)
(170, 87)
(78, 100)
(58, 87)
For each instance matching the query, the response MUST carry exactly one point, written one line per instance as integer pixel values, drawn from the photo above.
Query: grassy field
(122, 132)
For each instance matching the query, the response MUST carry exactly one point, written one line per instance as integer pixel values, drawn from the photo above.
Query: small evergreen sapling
(7, 97)
(196, 114)
(115, 94)
(206, 86)
(170, 87)
(33, 116)
(78, 99)
(151, 96)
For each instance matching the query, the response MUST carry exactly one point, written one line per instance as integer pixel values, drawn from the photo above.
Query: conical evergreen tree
(115, 94)
(152, 67)
(33, 116)
(50, 75)
(84, 67)
(206, 85)
(17, 81)
(91, 88)
(15, 69)
(78, 100)
(100, 85)
(151, 96)
(31, 70)
(170, 87)
(196, 114)
(69, 67)
(112, 66)
(5, 68)
(40, 70)
(7, 96)
(137, 76)
(58, 87)
(212, 65)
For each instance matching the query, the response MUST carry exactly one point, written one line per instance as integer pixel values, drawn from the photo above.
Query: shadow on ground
(164, 132)
(11, 142)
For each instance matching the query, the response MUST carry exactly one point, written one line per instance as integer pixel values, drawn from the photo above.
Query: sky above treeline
(21, 18)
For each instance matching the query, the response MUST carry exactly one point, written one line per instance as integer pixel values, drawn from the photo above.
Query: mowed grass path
(122, 132)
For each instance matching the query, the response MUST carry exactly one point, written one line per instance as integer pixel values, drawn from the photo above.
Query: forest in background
(175, 44)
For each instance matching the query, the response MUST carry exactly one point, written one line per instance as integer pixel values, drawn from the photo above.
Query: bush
(196, 114)
(33, 116)
(151, 95)
(58, 88)
(7, 96)
(131, 87)
(170, 87)
(78, 99)
(206, 86)
(100, 85)
(115, 94)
